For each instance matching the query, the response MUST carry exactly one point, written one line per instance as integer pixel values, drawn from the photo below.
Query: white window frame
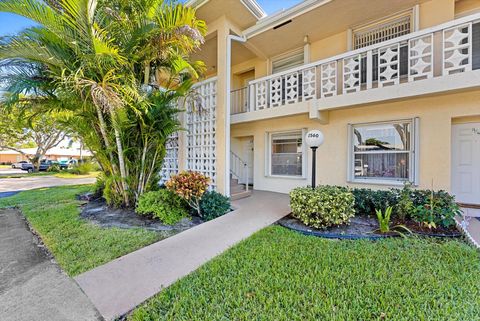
(285, 56)
(268, 154)
(414, 155)
(372, 26)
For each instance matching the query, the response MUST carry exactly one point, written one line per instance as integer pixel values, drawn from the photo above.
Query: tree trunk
(121, 162)
(141, 183)
(106, 141)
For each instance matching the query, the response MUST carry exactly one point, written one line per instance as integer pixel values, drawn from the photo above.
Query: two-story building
(394, 85)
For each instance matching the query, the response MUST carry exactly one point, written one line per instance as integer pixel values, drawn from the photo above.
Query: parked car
(44, 166)
(19, 164)
(68, 163)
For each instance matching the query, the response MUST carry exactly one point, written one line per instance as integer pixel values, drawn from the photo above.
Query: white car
(19, 165)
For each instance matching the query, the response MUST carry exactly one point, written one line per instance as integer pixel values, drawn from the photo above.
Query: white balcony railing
(239, 100)
(440, 51)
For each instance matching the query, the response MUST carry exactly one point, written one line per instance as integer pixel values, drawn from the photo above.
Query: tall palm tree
(95, 59)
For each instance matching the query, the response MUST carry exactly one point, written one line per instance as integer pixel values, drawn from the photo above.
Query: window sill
(377, 182)
(286, 177)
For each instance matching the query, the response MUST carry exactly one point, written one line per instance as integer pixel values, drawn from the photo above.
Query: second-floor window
(288, 61)
(390, 28)
(384, 30)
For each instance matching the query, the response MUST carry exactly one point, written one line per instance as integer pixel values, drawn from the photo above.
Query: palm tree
(96, 59)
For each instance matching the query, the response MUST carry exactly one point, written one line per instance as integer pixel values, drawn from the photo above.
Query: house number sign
(314, 138)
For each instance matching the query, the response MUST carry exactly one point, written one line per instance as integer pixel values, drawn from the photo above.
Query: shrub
(367, 200)
(109, 193)
(83, 168)
(162, 204)
(438, 208)
(323, 206)
(384, 219)
(213, 205)
(405, 207)
(190, 186)
(55, 168)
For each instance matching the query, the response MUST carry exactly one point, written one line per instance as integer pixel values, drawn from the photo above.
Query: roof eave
(271, 21)
(252, 6)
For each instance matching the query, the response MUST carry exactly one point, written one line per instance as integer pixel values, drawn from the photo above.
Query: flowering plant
(190, 186)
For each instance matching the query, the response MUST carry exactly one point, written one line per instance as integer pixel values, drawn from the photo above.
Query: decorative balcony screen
(201, 126)
(170, 162)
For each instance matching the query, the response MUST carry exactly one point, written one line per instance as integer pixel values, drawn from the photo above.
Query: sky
(11, 24)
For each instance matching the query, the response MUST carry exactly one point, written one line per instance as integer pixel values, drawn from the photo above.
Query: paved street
(11, 171)
(27, 183)
(32, 287)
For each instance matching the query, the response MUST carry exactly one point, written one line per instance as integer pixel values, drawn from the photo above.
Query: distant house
(56, 154)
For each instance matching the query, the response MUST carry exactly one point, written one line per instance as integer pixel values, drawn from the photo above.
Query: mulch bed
(360, 227)
(99, 213)
(364, 227)
(434, 232)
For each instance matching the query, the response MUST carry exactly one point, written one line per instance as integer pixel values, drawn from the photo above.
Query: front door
(466, 163)
(248, 154)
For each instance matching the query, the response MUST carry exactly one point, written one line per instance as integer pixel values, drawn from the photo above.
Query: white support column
(369, 69)
(230, 38)
(416, 18)
(349, 39)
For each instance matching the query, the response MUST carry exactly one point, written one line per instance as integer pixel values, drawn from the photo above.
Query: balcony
(412, 65)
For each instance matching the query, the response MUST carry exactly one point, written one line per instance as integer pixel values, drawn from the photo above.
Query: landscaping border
(328, 235)
(461, 226)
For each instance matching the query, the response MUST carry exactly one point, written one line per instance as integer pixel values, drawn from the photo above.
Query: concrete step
(237, 189)
(233, 181)
(238, 196)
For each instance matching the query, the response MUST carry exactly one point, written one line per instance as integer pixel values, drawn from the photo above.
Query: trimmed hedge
(368, 200)
(409, 203)
(323, 206)
(162, 204)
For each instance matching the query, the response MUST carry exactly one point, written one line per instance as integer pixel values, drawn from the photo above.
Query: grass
(59, 175)
(77, 245)
(70, 175)
(5, 166)
(280, 275)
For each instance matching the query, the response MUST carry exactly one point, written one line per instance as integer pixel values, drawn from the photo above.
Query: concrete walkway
(31, 286)
(119, 286)
(33, 182)
(469, 222)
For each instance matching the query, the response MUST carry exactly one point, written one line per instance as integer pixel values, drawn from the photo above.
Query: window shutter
(375, 33)
(294, 60)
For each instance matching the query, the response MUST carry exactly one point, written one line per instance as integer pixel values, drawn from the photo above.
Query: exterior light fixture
(314, 139)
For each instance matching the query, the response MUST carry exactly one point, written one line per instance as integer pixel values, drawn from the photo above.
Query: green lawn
(279, 275)
(70, 175)
(78, 246)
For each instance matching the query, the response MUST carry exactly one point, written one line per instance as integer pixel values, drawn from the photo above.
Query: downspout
(230, 38)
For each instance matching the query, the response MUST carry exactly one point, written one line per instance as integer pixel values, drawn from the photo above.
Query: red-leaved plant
(190, 186)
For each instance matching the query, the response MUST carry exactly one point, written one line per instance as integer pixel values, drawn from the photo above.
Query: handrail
(239, 100)
(239, 89)
(413, 35)
(239, 165)
(204, 82)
